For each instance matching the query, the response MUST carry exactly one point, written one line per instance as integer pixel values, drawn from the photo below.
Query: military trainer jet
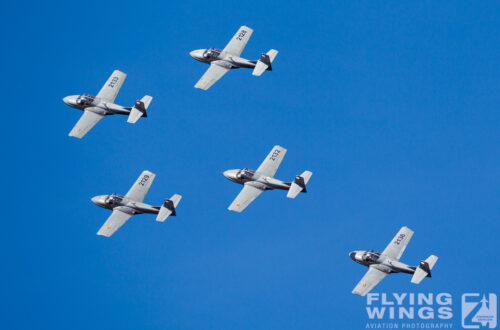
(387, 262)
(96, 107)
(255, 182)
(221, 61)
(131, 204)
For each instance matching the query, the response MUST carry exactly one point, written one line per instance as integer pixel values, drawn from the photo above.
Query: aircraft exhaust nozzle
(168, 208)
(139, 109)
(299, 184)
(264, 63)
(424, 269)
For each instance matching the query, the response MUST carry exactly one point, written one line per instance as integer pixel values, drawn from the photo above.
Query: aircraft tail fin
(424, 269)
(139, 109)
(299, 184)
(168, 208)
(264, 63)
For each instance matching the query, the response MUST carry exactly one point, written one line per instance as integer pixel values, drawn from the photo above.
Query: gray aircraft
(221, 61)
(387, 262)
(131, 204)
(96, 107)
(255, 182)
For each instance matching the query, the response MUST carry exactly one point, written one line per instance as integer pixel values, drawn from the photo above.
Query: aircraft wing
(244, 198)
(372, 277)
(239, 41)
(114, 222)
(214, 73)
(141, 186)
(85, 124)
(398, 244)
(270, 165)
(111, 88)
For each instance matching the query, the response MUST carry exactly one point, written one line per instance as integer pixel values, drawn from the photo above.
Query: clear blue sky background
(394, 107)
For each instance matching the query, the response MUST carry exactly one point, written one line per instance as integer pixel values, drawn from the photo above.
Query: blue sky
(393, 106)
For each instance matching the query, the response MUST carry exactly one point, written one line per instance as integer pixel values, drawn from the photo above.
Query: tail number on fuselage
(399, 239)
(241, 35)
(275, 154)
(144, 179)
(113, 82)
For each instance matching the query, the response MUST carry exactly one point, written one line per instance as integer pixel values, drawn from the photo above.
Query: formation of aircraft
(387, 262)
(131, 204)
(255, 182)
(96, 107)
(221, 61)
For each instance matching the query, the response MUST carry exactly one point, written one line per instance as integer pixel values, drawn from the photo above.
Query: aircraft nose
(95, 200)
(197, 53)
(352, 255)
(226, 173)
(66, 99)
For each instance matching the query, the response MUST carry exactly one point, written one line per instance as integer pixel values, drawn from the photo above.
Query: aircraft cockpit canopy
(371, 256)
(85, 99)
(245, 174)
(211, 53)
(113, 199)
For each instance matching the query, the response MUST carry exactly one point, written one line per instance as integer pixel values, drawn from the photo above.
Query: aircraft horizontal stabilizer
(139, 109)
(424, 269)
(264, 63)
(168, 208)
(299, 184)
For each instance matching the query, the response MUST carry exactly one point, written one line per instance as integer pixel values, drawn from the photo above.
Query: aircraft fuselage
(94, 104)
(256, 179)
(221, 58)
(126, 205)
(381, 262)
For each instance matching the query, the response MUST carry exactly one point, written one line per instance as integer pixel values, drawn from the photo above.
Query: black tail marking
(139, 105)
(299, 181)
(170, 206)
(264, 58)
(425, 267)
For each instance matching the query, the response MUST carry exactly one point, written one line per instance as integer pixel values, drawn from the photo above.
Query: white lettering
(384, 300)
(371, 297)
(444, 298)
(445, 313)
(426, 316)
(400, 298)
(391, 313)
(375, 312)
(428, 299)
(409, 313)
